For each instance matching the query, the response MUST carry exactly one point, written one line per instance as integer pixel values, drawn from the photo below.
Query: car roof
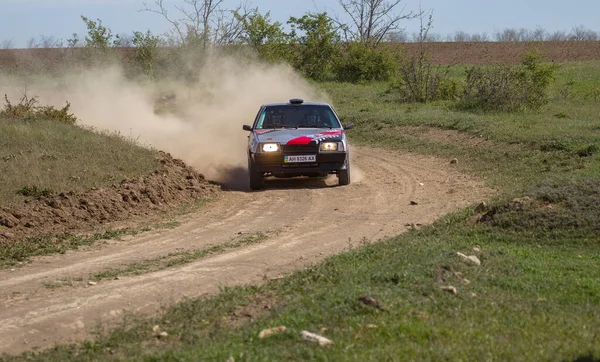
(297, 105)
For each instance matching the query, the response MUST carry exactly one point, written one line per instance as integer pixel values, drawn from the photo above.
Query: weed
(12, 253)
(28, 110)
(587, 151)
(34, 191)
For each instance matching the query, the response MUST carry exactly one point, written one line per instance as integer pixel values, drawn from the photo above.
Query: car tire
(344, 175)
(255, 177)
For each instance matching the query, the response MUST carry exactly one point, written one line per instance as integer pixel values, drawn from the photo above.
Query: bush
(364, 62)
(508, 88)
(421, 82)
(28, 110)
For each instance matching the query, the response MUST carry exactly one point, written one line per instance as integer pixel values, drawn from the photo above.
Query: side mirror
(348, 126)
(247, 128)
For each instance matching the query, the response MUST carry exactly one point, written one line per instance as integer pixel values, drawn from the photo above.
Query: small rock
(473, 295)
(312, 337)
(483, 206)
(271, 331)
(413, 203)
(476, 249)
(421, 184)
(12, 270)
(230, 359)
(92, 283)
(155, 329)
(162, 335)
(454, 161)
(371, 302)
(471, 258)
(450, 289)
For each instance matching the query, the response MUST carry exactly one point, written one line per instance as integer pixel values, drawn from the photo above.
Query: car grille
(300, 149)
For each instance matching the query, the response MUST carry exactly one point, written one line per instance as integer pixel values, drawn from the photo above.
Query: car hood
(300, 136)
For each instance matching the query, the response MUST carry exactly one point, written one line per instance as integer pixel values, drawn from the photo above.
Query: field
(441, 53)
(375, 266)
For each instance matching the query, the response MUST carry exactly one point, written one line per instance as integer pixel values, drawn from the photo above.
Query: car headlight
(332, 146)
(270, 147)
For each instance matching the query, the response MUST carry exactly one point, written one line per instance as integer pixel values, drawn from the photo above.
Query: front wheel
(344, 175)
(255, 177)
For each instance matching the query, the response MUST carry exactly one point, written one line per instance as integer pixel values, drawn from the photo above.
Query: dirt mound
(173, 184)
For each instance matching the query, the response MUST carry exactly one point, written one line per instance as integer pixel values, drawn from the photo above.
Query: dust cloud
(204, 124)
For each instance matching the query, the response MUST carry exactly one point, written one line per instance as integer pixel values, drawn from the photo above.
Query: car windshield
(304, 116)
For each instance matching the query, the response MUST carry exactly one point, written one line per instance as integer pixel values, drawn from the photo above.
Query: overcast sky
(21, 20)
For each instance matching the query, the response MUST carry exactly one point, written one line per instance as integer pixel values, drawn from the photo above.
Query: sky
(21, 20)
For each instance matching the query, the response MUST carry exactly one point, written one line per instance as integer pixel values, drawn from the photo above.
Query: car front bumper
(325, 162)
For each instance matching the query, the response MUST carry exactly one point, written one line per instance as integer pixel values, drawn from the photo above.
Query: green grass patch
(12, 253)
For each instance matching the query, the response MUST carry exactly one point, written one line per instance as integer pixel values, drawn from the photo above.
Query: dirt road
(306, 221)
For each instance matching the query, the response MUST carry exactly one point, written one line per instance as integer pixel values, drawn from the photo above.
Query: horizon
(20, 22)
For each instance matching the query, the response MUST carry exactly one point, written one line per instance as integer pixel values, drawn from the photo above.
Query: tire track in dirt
(313, 219)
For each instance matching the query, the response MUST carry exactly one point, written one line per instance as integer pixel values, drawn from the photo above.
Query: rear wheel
(344, 175)
(255, 176)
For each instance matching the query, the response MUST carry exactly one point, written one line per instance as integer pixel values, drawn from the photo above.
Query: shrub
(28, 110)
(34, 191)
(365, 62)
(508, 88)
(421, 82)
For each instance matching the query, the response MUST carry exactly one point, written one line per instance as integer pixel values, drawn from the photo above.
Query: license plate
(297, 159)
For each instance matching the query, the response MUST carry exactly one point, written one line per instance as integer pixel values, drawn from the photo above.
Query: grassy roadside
(60, 157)
(535, 295)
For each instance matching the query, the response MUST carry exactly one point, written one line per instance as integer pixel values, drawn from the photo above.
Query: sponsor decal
(318, 137)
(264, 131)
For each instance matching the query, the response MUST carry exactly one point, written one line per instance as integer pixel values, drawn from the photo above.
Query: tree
(372, 20)
(7, 44)
(147, 52)
(267, 37)
(319, 44)
(201, 22)
(98, 36)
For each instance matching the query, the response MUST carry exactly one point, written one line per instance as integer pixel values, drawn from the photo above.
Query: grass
(53, 157)
(535, 295)
(520, 147)
(13, 253)
(165, 261)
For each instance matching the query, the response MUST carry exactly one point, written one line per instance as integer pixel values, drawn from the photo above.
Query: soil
(307, 220)
(50, 60)
(487, 53)
(174, 184)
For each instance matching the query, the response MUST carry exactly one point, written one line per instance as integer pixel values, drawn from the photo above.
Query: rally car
(295, 139)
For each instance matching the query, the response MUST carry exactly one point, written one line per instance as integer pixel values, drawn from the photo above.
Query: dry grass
(60, 157)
